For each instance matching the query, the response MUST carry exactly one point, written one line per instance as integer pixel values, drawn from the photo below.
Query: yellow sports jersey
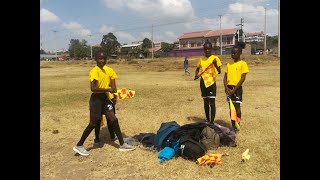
(103, 76)
(210, 74)
(234, 71)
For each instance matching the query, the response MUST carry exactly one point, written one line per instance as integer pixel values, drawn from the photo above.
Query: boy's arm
(214, 62)
(225, 83)
(94, 88)
(113, 85)
(196, 75)
(243, 78)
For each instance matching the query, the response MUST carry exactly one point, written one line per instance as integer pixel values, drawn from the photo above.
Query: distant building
(191, 43)
(132, 46)
(256, 36)
(53, 57)
(157, 44)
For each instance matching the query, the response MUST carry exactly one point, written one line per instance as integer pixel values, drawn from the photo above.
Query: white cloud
(253, 2)
(124, 37)
(47, 16)
(253, 17)
(84, 32)
(171, 18)
(166, 36)
(143, 35)
(159, 9)
(105, 29)
(77, 28)
(72, 26)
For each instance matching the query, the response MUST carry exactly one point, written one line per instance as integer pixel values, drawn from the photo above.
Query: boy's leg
(97, 128)
(108, 109)
(206, 105)
(111, 129)
(110, 125)
(213, 109)
(238, 110)
(114, 122)
(95, 115)
(79, 147)
(85, 134)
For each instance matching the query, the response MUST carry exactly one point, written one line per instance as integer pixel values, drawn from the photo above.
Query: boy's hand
(230, 91)
(196, 77)
(112, 90)
(214, 62)
(114, 100)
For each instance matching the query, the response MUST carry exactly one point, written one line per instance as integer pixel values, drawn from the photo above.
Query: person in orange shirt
(235, 75)
(210, 66)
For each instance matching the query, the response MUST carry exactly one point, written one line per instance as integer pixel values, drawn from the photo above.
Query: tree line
(109, 44)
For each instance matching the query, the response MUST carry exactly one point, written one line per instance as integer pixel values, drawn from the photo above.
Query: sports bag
(191, 149)
(163, 134)
(210, 138)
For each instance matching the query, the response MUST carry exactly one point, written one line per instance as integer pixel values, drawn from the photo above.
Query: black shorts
(99, 104)
(209, 92)
(237, 96)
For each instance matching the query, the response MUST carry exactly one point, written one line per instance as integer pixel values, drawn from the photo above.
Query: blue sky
(132, 20)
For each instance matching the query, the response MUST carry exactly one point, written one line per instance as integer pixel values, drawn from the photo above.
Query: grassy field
(163, 94)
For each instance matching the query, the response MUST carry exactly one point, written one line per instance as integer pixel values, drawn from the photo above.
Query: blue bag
(163, 134)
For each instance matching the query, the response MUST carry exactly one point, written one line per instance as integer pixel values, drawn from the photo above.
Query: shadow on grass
(218, 121)
(196, 119)
(105, 139)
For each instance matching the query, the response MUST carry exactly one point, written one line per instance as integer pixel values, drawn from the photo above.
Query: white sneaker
(126, 147)
(81, 150)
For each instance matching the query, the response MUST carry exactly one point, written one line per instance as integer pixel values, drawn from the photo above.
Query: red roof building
(195, 40)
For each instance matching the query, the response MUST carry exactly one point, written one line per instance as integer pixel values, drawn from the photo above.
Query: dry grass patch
(163, 94)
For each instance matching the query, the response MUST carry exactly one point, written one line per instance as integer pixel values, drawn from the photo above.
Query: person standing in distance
(101, 76)
(185, 66)
(210, 66)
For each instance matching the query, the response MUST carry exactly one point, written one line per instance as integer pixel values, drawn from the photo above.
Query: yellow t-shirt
(234, 71)
(103, 76)
(209, 76)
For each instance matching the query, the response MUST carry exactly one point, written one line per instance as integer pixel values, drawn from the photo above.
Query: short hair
(100, 54)
(240, 46)
(207, 42)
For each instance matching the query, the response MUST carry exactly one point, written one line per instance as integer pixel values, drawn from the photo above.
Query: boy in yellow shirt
(235, 75)
(210, 66)
(101, 78)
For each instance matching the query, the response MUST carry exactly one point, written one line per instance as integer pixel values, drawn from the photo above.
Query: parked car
(259, 52)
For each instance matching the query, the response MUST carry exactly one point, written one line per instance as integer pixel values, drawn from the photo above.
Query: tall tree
(166, 47)
(73, 46)
(110, 44)
(146, 43)
(79, 49)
